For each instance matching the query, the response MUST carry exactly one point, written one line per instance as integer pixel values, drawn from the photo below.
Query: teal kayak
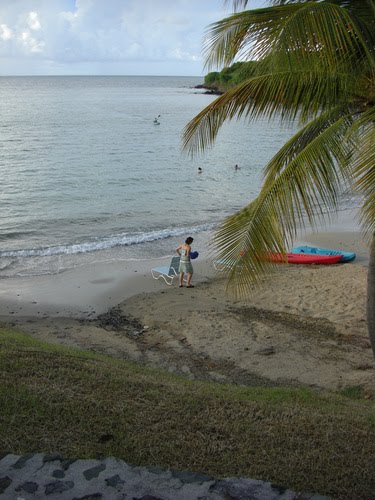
(305, 249)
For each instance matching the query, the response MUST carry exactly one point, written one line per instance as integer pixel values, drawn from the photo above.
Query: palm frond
(303, 138)
(315, 62)
(237, 4)
(234, 36)
(364, 169)
(300, 180)
(297, 29)
(281, 94)
(307, 175)
(241, 243)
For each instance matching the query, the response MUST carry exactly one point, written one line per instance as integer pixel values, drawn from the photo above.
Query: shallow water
(87, 175)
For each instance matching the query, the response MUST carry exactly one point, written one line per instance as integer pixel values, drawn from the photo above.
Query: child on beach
(185, 263)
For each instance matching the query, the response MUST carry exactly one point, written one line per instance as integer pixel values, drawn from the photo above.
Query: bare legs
(189, 275)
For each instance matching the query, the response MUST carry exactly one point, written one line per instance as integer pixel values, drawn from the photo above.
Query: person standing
(185, 262)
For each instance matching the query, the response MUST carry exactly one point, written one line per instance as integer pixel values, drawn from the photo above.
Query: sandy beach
(305, 326)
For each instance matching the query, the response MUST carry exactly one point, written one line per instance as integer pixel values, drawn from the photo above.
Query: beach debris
(115, 320)
(266, 351)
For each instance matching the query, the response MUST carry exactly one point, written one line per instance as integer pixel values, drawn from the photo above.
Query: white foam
(106, 243)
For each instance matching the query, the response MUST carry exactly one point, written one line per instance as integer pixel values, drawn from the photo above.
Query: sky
(107, 37)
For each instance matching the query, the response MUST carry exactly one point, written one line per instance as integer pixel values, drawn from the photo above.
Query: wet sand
(305, 326)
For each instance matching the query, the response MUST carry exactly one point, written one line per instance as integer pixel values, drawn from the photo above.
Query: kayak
(304, 258)
(305, 249)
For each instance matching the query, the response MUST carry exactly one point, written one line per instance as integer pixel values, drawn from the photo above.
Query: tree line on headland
(217, 82)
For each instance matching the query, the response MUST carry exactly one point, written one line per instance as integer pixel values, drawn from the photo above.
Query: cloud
(74, 35)
(31, 44)
(146, 30)
(20, 31)
(5, 32)
(33, 21)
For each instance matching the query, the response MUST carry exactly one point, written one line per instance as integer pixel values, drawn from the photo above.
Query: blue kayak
(346, 256)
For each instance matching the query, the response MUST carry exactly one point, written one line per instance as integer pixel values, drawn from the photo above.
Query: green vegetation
(229, 77)
(83, 405)
(354, 392)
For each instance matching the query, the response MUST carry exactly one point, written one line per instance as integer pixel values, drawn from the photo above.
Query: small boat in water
(304, 258)
(305, 249)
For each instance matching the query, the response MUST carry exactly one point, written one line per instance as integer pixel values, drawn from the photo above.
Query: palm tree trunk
(371, 296)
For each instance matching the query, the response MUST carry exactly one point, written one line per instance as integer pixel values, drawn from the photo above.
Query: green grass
(354, 392)
(79, 404)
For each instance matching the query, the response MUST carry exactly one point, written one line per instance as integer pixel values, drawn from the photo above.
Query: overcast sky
(106, 37)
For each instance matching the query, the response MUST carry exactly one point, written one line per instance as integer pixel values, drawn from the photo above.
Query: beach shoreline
(305, 326)
(93, 288)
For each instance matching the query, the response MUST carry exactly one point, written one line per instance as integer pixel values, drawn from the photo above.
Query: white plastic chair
(167, 273)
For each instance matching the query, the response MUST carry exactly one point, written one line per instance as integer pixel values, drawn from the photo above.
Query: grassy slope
(84, 405)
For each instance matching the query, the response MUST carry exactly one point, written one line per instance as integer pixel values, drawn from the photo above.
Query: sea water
(86, 174)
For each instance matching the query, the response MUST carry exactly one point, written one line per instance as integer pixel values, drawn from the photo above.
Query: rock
(93, 472)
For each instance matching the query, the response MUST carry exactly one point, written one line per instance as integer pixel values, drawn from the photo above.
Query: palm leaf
(299, 180)
(307, 175)
(364, 169)
(297, 29)
(285, 94)
(315, 62)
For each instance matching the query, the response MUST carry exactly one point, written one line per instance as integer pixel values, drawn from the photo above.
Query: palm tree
(315, 63)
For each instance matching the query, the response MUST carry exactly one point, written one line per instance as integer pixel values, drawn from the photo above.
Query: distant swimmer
(156, 120)
(200, 170)
(236, 167)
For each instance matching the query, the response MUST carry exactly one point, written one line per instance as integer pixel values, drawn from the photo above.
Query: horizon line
(96, 75)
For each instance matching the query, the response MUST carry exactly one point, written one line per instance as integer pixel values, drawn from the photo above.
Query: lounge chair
(167, 273)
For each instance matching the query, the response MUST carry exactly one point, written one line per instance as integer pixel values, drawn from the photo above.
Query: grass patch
(354, 392)
(79, 404)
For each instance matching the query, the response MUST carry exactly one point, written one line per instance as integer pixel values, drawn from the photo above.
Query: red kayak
(303, 258)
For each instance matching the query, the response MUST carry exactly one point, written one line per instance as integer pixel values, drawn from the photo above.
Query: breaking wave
(105, 243)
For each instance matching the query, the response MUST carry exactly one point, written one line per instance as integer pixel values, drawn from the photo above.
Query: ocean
(88, 176)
